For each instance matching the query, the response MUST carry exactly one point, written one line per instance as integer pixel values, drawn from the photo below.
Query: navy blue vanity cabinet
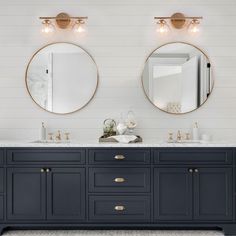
(117, 188)
(26, 193)
(173, 194)
(66, 194)
(42, 184)
(195, 184)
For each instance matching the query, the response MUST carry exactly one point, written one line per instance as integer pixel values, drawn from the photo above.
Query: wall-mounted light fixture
(63, 21)
(178, 21)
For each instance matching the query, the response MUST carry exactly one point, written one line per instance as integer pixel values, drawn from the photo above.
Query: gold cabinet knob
(48, 170)
(119, 180)
(119, 208)
(42, 170)
(119, 157)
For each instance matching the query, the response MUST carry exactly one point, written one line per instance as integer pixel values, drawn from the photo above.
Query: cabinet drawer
(119, 180)
(38, 156)
(119, 156)
(193, 155)
(119, 208)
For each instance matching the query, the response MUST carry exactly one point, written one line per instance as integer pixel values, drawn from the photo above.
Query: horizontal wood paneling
(121, 34)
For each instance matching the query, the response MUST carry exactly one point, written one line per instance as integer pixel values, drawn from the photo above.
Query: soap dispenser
(195, 131)
(43, 132)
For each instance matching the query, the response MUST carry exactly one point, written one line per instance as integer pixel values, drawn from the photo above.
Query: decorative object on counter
(109, 128)
(121, 126)
(43, 132)
(195, 131)
(124, 139)
(131, 121)
(177, 78)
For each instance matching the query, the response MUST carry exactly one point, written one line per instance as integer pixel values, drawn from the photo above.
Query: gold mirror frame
(26, 74)
(213, 81)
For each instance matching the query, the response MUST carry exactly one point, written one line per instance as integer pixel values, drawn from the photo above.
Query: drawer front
(119, 208)
(119, 180)
(45, 156)
(193, 155)
(119, 156)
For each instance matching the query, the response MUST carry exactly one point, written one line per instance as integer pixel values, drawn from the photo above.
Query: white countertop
(93, 143)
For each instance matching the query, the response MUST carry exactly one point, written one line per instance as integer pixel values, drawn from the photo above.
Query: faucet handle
(179, 136)
(50, 136)
(67, 136)
(170, 138)
(187, 136)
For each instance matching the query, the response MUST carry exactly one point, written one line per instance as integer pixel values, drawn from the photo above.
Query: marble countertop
(93, 143)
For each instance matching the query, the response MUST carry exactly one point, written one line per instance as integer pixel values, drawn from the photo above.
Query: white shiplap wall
(121, 34)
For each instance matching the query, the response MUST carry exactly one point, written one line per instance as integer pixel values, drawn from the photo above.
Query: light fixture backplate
(63, 20)
(177, 20)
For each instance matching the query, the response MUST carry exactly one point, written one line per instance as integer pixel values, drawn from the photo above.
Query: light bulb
(194, 26)
(79, 26)
(47, 27)
(162, 27)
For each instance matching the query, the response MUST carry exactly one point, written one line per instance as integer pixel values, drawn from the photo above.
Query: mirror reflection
(61, 78)
(177, 78)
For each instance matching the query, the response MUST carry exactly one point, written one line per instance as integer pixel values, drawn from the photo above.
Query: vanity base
(228, 229)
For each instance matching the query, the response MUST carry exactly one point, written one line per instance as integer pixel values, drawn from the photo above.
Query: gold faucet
(178, 136)
(58, 136)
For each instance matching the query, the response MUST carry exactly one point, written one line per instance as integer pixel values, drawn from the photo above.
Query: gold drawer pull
(119, 208)
(119, 180)
(119, 157)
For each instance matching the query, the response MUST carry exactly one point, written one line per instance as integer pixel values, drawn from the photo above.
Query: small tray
(103, 139)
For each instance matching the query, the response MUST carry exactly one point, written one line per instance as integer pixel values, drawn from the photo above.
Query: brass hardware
(196, 170)
(178, 20)
(179, 136)
(64, 20)
(48, 170)
(42, 170)
(187, 136)
(58, 136)
(119, 180)
(50, 136)
(170, 139)
(190, 170)
(119, 157)
(67, 136)
(119, 208)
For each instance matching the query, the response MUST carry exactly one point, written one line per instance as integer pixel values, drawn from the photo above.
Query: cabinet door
(172, 194)
(213, 194)
(26, 193)
(66, 194)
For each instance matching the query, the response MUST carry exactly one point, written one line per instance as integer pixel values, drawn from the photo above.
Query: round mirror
(177, 78)
(61, 78)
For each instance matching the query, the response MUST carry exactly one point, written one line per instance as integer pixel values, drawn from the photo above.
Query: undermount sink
(51, 141)
(185, 141)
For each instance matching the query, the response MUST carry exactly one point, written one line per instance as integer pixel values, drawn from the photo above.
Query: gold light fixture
(178, 21)
(63, 21)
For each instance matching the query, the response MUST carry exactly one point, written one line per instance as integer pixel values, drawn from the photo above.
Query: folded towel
(124, 138)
